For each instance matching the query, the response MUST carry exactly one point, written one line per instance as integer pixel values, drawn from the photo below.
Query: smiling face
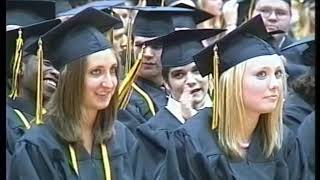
(187, 76)
(100, 79)
(262, 83)
(151, 64)
(276, 14)
(213, 6)
(50, 76)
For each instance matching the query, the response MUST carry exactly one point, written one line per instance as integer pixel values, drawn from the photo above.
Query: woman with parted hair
(243, 137)
(80, 137)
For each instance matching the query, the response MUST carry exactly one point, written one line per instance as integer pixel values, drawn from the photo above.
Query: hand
(230, 12)
(186, 102)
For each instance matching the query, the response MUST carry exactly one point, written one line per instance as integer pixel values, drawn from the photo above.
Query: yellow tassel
(111, 31)
(39, 84)
(16, 66)
(129, 46)
(126, 85)
(215, 108)
(73, 159)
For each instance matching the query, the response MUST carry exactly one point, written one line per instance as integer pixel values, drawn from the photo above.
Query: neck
(27, 95)
(87, 129)
(157, 80)
(251, 124)
(278, 40)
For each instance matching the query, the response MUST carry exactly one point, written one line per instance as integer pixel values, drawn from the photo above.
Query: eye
(261, 74)
(114, 70)
(47, 63)
(95, 72)
(138, 44)
(279, 74)
(178, 75)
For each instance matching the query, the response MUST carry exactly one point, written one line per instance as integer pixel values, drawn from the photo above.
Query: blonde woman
(247, 139)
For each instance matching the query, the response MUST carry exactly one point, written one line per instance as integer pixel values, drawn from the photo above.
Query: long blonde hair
(232, 118)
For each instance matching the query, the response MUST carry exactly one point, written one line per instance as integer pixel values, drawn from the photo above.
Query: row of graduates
(81, 138)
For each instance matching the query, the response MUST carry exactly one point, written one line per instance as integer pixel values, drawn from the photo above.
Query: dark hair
(304, 85)
(64, 107)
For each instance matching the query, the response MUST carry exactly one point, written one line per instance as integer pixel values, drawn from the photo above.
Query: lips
(50, 81)
(195, 90)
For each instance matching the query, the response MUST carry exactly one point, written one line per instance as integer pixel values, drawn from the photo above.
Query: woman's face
(213, 6)
(100, 79)
(262, 83)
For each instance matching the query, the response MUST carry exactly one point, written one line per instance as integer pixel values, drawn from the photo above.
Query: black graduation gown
(194, 154)
(306, 134)
(153, 135)
(295, 110)
(293, 55)
(41, 154)
(137, 111)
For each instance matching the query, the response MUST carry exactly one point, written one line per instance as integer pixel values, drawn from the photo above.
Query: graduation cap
(180, 46)
(77, 37)
(307, 48)
(188, 20)
(99, 5)
(29, 12)
(250, 39)
(154, 21)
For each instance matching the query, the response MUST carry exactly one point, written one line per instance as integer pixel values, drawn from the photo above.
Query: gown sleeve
(31, 162)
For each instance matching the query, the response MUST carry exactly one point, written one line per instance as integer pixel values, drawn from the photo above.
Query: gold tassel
(126, 85)
(111, 31)
(215, 108)
(129, 45)
(39, 84)
(16, 66)
(105, 160)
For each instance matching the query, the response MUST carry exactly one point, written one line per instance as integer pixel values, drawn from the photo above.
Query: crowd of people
(160, 89)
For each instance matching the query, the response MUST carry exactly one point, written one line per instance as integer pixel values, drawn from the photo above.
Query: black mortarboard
(79, 36)
(30, 33)
(307, 48)
(29, 12)
(99, 5)
(189, 20)
(243, 10)
(153, 21)
(288, 1)
(245, 42)
(180, 46)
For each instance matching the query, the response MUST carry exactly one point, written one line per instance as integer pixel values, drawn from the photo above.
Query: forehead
(187, 67)
(273, 3)
(270, 61)
(101, 58)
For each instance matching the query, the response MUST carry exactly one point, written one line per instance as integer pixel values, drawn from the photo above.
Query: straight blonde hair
(232, 118)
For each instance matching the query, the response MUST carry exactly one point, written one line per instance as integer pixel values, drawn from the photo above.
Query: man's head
(276, 14)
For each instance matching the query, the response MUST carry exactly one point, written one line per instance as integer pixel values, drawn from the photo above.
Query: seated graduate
(306, 134)
(187, 88)
(300, 99)
(148, 94)
(24, 26)
(243, 137)
(80, 138)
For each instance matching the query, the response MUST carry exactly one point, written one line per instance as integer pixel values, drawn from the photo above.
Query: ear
(167, 86)
(22, 69)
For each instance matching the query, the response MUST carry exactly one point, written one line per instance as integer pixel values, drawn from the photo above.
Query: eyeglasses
(279, 13)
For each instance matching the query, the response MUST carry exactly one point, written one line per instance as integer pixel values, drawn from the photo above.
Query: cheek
(203, 82)
(253, 88)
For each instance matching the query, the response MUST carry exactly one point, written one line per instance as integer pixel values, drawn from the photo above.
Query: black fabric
(137, 111)
(179, 46)
(41, 154)
(250, 39)
(295, 110)
(154, 136)
(306, 134)
(194, 153)
(29, 12)
(77, 37)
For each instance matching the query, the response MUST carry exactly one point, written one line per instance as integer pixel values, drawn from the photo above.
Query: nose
(191, 80)
(272, 16)
(148, 52)
(53, 72)
(108, 81)
(124, 41)
(274, 83)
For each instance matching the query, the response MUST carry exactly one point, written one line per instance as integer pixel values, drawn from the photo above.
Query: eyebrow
(268, 67)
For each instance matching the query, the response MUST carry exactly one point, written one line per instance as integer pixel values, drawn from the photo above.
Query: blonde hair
(232, 118)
